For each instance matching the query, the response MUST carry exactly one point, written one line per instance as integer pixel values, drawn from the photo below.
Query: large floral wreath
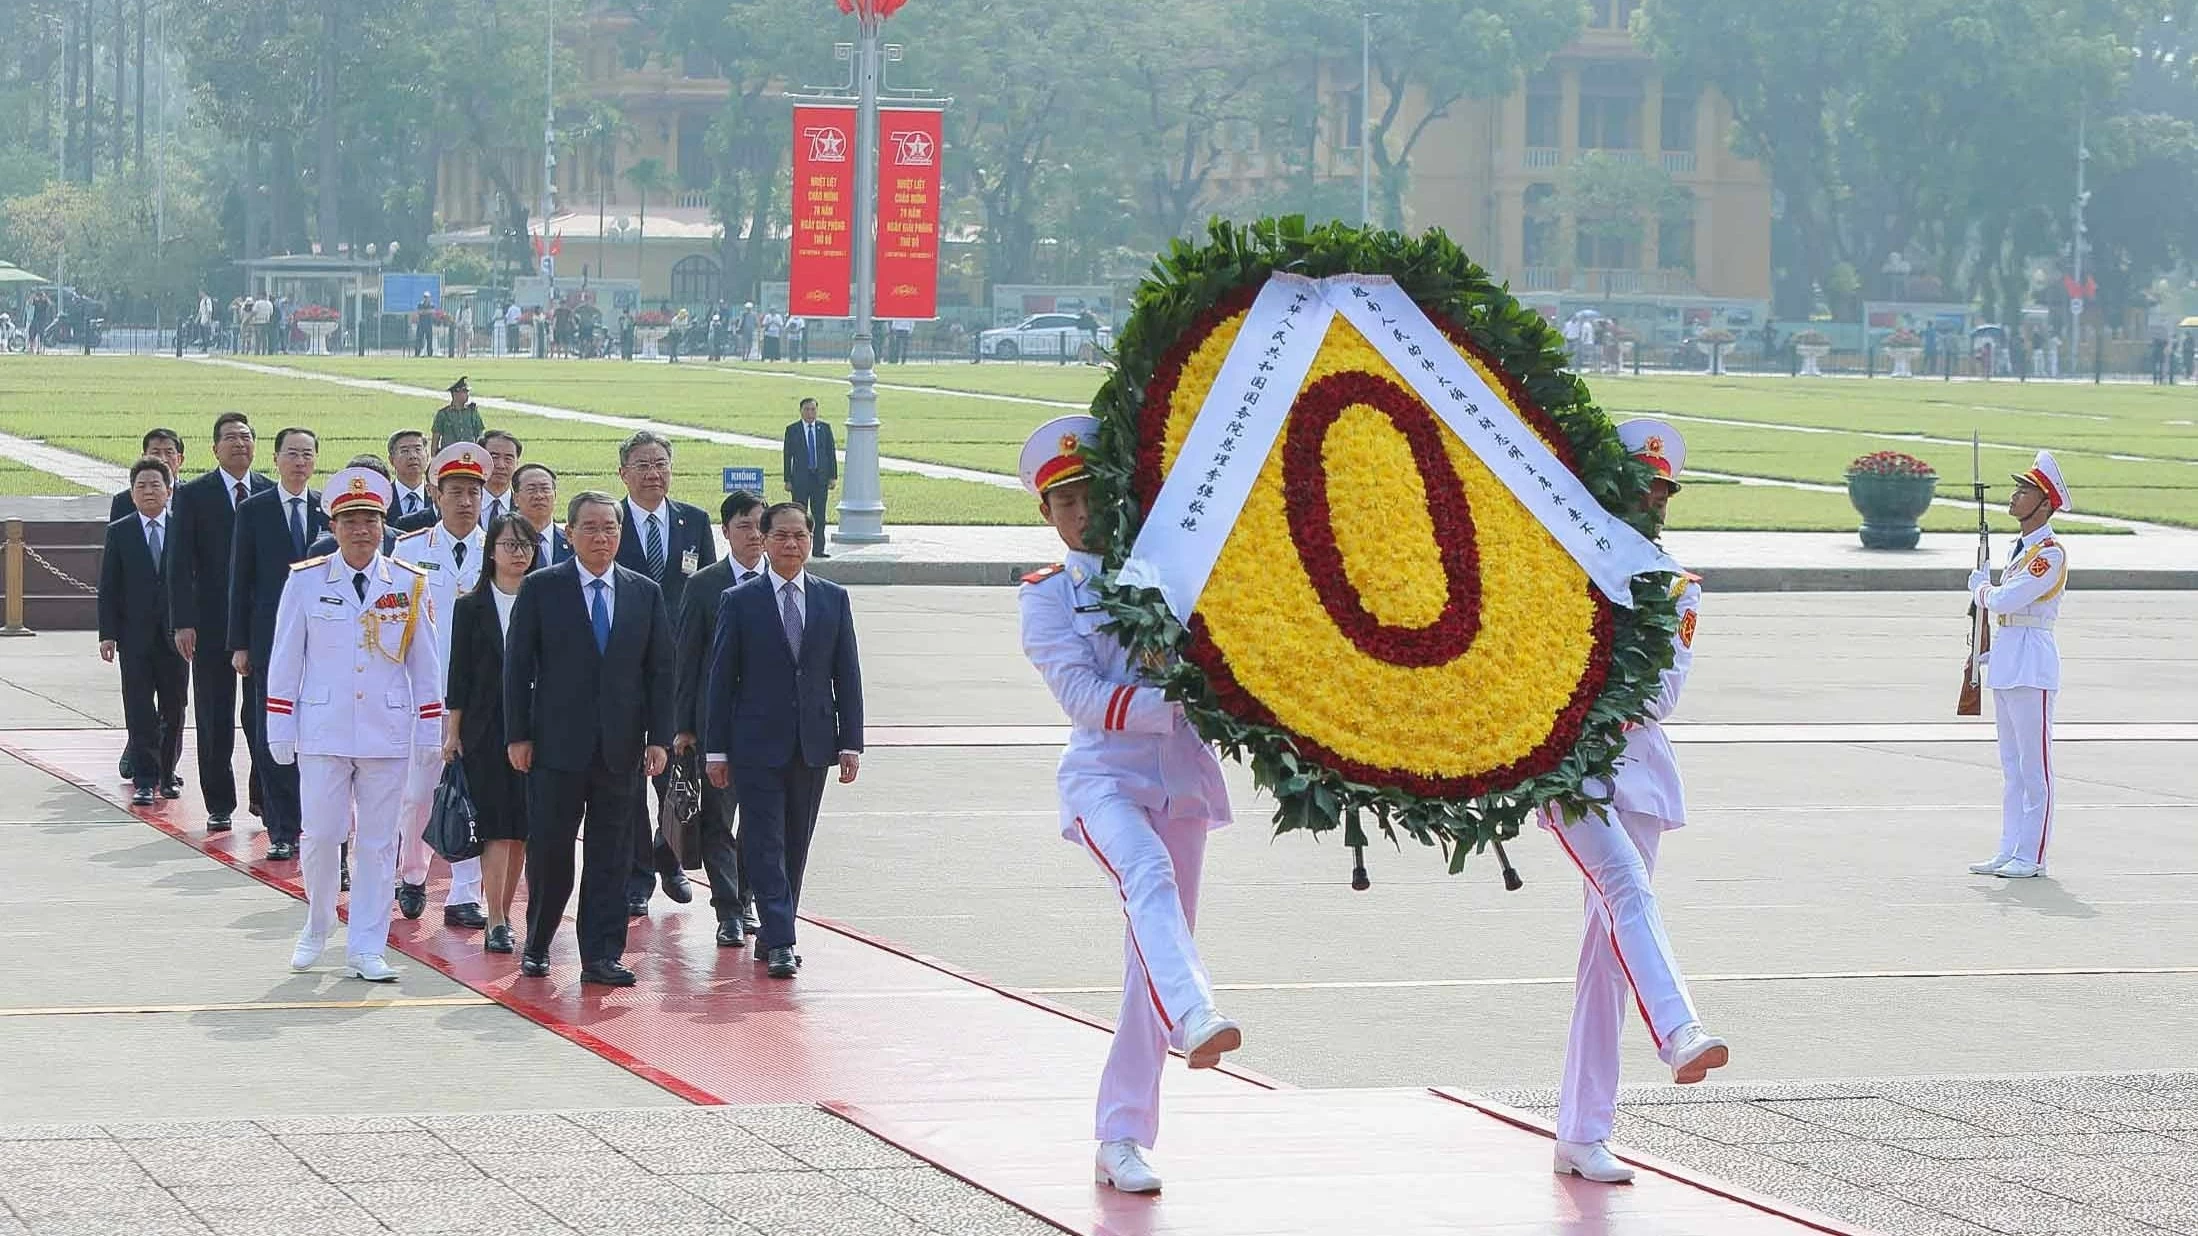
(1388, 632)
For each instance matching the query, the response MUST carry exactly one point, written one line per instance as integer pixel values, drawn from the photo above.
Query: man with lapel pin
(784, 705)
(587, 708)
(668, 541)
(202, 523)
(741, 517)
(415, 494)
(504, 450)
(134, 623)
(275, 529)
(534, 487)
(810, 467)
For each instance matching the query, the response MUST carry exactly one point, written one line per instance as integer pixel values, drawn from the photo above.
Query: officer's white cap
(1053, 455)
(460, 459)
(355, 488)
(1656, 444)
(2046, 475)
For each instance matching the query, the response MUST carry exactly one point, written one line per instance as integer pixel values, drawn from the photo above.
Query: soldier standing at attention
(352, 689)
(1139, 791)
(1624, 943)
(2024, 669)
(457, 421)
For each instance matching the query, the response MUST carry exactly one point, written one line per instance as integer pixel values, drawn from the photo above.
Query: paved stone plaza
(1915, 1050)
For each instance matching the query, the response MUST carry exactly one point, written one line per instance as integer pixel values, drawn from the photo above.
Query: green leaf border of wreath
(1437, 274)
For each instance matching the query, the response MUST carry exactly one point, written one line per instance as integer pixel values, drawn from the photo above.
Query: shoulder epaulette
(409, 566)
(406, 536)
(1680, 582)
(1044, 573)
(311, 562)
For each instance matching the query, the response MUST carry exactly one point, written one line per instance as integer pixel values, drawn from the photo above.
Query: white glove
(284, 752)
(1979, 578)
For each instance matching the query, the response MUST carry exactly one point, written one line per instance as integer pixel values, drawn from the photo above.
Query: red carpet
(995, 1086)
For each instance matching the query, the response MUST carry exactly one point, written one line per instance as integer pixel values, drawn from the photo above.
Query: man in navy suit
(587, 710)
(275, 529)
(165, 445)
(668, 541)
(785, 704)
(202, 524)
(534, 490)
(133, 622)
(810, 466)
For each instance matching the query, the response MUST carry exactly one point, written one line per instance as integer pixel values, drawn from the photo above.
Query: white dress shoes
(1592, 1161)
(2018, 869)
(1692, 1053)
(372, 969)
(1207, 1036)
(306, 955)
(1121, 1166)
(1990, 866)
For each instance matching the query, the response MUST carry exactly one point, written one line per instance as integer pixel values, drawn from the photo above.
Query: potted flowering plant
(317, 323)
(650, 327)
(1904, 346)
(1891, 490)
(1718, 339)
(1812, 346)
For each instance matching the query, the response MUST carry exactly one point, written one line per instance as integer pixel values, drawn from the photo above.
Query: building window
(1625, 13)
(1678, 123)
(694, 281)
(1544, 111)
(1538, 227)
(1595, 248)
(1352, 123)
(1610, 108)
(697, 63)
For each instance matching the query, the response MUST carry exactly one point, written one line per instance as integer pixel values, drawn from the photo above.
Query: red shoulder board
(1044, 573)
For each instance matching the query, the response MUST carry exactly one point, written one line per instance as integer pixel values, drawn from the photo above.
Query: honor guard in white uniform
(353, 688)
(2023, 669)
(1624, 944)
(1139, 792)
(450, 555)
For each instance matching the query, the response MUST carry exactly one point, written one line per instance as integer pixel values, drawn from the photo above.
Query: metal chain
(60, 574)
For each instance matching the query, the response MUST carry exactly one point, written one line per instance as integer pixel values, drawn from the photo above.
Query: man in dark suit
(274, 530)
(784, 704)
(668, 541)
(741, 517)
(408, 456)
(534, 492)
(165, 445)
(587, 707)
(133, 621)
(811, 467)
(202, 522)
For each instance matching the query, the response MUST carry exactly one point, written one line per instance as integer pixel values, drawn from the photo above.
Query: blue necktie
(297, 528)
(599, 615)
(812, 444)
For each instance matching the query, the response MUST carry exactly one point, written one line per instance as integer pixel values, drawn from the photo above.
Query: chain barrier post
(15, 587)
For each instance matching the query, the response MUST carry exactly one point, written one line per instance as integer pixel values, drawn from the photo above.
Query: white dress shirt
(229, 483)
(587, 595)
(638, 521)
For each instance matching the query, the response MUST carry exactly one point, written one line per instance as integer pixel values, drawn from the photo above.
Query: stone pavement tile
(2003, 1113)
(669, 1126)
(1877, 1118)
(217, 1160)
(2097, 1182)
(2173, 1216)
(2173, 1120)
(339, 1124)
(278, 1210)
(1859, 1162)
(10, 1226)
(941, 1202)
(2130, 1142)
(590, 1205)
(784, 1201)
(781, 1123)
(510, 1165)
(359, 1158)
(1979, 1147)
(1739, 1092)
(1879, 1213)
(121, 1207)
(169, 1129)
(1661, 1140)
(2091, 1094)
(1998, 1204)
(109, 1225)
(50, 1132)
(832, 1154)
(470, 1206)
(55, 1175)
(48, 1153)
(1737, 1124)
(498, 1133)
(730, 1150)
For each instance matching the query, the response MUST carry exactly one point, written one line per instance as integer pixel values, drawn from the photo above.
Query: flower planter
(316, 336)
(1810, 354)
(1717, 359)
(649, 336)
(1904, 360)
(1890, 506)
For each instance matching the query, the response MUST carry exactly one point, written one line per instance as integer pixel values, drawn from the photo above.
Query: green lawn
(22, 479)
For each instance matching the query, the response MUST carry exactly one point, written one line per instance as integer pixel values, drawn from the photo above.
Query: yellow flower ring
(1387, 628)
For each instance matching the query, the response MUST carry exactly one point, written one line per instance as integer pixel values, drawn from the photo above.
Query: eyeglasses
(593, 530)
(650, 465)
(517, 547)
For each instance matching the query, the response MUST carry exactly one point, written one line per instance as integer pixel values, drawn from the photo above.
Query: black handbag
(451, 822)
(679, 810)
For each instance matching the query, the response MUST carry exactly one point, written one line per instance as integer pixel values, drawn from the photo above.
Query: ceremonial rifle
(1971, 702)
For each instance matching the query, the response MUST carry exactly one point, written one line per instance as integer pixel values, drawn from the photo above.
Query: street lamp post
(862, 500)
(1365, 116)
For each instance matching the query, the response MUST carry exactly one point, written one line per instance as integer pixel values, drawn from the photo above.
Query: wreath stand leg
(1511, 881)
(1355, 837)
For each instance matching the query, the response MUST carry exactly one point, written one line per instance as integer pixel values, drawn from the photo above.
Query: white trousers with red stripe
(414, 853)
(1623, 947)
(1154, 866)
(2025, 719)
(331, 790)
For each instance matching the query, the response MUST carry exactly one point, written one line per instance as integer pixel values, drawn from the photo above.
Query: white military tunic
(1139, 791)
(353, 686)
(434, 551)
(1624, 942)
(2023, 669)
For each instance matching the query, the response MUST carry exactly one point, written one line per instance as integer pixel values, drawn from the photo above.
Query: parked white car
(1045, 334)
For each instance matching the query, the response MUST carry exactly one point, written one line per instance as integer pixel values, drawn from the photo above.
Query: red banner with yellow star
(908, 213)
(821, 267)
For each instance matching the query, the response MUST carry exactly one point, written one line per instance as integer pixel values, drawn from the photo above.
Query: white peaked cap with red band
(355, 488)
(1054, 453)
(2046, 475)
(1656, 444)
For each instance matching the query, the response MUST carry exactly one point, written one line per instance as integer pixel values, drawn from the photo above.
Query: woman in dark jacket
(473, 724)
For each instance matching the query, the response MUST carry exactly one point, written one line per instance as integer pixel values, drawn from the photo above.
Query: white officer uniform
(450, 575)
(1139, 791)
(353, 686)
(2023, 669)
(1624, 944)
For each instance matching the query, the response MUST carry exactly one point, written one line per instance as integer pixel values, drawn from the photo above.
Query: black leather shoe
(606, 974)
(142, 796)
(465, 914)
(676, 884)
(761, 951)
(347, 875)
(411, 899)
(498, 939)
(282, 851)
(533, 966)
(637, 907)
(783, 963)
(173, 788)
(218, 823)
(729, 934)
(749, 920)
